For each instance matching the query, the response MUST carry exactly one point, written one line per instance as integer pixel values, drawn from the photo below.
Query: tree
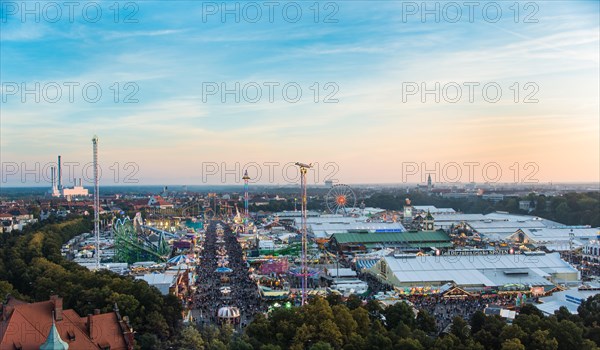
(259, 331)
(190, 338)
(477, 321)
(569, 336)
(321, 346)
(513, 332)
(460, 329)
(513, 344)
(361, 317)
(528, 323)
(409, 344)
(448, 342)
(398, 313)
(329, 333)
(344, 321)
(541, 340)
(589, 310)
(530, 309)
(425, 322)
(334, 299)
(353, 302)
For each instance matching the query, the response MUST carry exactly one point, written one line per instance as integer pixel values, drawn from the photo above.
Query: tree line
(331, 324)
(572, 208)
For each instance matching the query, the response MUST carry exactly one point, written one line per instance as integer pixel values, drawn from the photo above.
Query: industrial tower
(303, 169)
(96, 202)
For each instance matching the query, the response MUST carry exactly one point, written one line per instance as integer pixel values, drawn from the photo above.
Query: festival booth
(273, 294)
(423, 291)
(274, 267)
(456, 293)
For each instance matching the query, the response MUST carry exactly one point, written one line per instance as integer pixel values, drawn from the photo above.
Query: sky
(191, 92)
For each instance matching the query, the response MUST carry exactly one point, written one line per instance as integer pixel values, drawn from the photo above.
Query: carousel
(228, 315)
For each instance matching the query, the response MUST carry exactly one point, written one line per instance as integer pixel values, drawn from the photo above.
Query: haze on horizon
(365, 56)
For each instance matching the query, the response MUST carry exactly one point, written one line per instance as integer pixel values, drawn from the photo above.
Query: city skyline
(378, 67)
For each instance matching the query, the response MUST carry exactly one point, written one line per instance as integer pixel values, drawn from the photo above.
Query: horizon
(383, 88)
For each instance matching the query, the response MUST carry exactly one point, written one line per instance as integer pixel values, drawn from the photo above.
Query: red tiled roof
(29, 325)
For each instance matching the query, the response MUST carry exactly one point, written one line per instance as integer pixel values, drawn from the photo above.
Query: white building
(476, 272)
(556, 239)
(591, 250)
(570, 298)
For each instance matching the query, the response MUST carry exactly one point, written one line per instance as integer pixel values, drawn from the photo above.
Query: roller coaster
(132, 246)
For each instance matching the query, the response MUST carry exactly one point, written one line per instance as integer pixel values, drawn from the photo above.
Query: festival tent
(181, 259)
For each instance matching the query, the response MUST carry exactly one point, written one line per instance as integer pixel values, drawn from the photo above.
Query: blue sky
(367, 49)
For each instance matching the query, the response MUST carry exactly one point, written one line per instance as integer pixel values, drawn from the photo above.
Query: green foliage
(190, 338)
(399, 313)
(512, 344)
(425, 322)
(321, 326)
(33, 268)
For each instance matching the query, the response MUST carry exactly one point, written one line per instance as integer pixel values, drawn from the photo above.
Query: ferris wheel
(340, 199)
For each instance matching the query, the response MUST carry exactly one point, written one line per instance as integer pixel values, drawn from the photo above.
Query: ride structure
(304, 269)
(96, 200)
(340, 199)
(246, 178)
(131, 246)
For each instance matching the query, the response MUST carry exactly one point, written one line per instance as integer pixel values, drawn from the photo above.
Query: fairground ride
(131, 246)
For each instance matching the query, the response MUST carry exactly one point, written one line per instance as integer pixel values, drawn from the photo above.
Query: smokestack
(59, 175)
(53, 177)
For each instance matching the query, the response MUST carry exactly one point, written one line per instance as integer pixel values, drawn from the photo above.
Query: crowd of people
(240, 292)
(445, 309)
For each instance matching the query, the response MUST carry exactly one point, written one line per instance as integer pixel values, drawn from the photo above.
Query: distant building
(591, 251)
(526, 205)
(159, 202)
(493, 197)
(45, 325)
(15, 221)
(76, 191)
(432, 209)
(364, 241)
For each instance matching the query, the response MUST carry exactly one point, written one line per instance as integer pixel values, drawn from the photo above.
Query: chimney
(96, 311)
(59, 175)
(91, 326)
(58, 307)
(52, 177)
(6, 311)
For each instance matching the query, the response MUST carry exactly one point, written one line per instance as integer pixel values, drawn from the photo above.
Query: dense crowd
(445, 309)
(242, 292)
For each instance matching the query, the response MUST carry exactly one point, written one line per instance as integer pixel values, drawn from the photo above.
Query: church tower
(429, 222)
(408, 213)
